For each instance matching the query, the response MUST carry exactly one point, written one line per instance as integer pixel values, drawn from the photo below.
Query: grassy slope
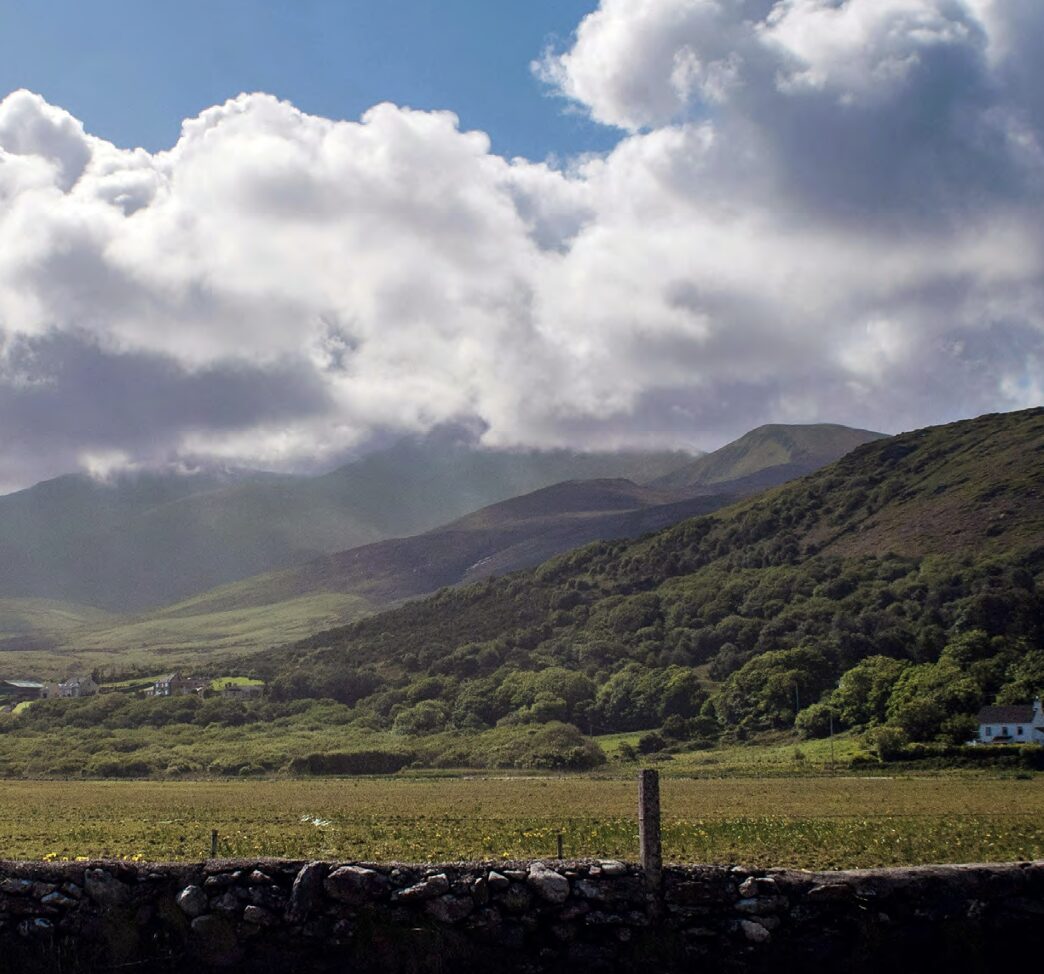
(169, 640)
(45, 617)
(282, 607)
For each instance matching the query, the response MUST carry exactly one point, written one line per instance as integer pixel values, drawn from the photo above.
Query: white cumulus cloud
(818, 211)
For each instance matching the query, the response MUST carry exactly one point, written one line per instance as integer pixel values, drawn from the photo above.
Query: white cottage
(1018, 724)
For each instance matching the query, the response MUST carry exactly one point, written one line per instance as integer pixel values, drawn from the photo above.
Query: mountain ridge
(772, 454)
(78, 540)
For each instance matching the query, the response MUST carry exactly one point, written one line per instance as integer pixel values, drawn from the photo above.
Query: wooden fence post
(649, 828)
(213, 843)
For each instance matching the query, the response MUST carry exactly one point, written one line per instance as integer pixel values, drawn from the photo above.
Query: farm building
(1017, 724)
(77, 686)
(16, 691)
(176, 685)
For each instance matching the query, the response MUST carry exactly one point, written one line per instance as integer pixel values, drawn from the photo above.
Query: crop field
(798, 822)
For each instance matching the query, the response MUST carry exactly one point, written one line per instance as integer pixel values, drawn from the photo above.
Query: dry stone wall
(282, 916)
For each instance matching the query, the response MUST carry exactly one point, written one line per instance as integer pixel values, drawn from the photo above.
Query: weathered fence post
(213, 843)
(649, 828)
(560, 847)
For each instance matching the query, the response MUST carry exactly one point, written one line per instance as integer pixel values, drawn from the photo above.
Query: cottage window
(1020, 729)
(1004, 731)
(989, 731)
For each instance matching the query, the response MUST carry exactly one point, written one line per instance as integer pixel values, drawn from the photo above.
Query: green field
(799, 822)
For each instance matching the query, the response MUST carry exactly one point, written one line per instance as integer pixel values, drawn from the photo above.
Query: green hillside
(42, 618)
(924, 548)
(770, 455)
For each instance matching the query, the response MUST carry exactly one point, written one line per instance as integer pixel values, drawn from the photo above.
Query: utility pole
(831, 740)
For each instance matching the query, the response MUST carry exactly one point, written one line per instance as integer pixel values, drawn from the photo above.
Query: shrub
(818, 720)
(651, 743)
(351, 762)
(551, 746)
(888, 743)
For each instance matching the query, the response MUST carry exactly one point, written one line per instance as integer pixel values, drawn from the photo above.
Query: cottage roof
(25, 684)
(167, 679)
(1016, 714)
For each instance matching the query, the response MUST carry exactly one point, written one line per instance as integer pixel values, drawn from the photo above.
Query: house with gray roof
(1013, 724)
(176, 685)
(78, 686)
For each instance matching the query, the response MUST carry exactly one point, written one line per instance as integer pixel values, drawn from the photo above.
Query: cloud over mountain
(817, 210)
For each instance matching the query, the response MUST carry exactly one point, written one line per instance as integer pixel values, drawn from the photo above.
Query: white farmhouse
(1019, 724)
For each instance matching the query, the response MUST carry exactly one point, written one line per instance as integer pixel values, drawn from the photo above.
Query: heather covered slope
(925, 548)
(770, 455)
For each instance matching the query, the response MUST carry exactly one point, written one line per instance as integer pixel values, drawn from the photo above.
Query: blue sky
(131, 70)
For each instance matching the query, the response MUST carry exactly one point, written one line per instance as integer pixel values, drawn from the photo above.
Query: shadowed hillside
(514, 534)
(151, 539)
(281, 607)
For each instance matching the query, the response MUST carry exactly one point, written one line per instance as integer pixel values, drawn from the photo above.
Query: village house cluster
(18, 691)
(176, 685)
(14, 692)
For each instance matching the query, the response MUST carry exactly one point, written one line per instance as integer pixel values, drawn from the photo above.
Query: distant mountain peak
(770, 455)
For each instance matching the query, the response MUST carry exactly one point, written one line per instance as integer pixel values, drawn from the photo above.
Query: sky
(274, 234)
(132, 71)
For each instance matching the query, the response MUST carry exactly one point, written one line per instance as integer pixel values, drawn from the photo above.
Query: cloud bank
(817, 211)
